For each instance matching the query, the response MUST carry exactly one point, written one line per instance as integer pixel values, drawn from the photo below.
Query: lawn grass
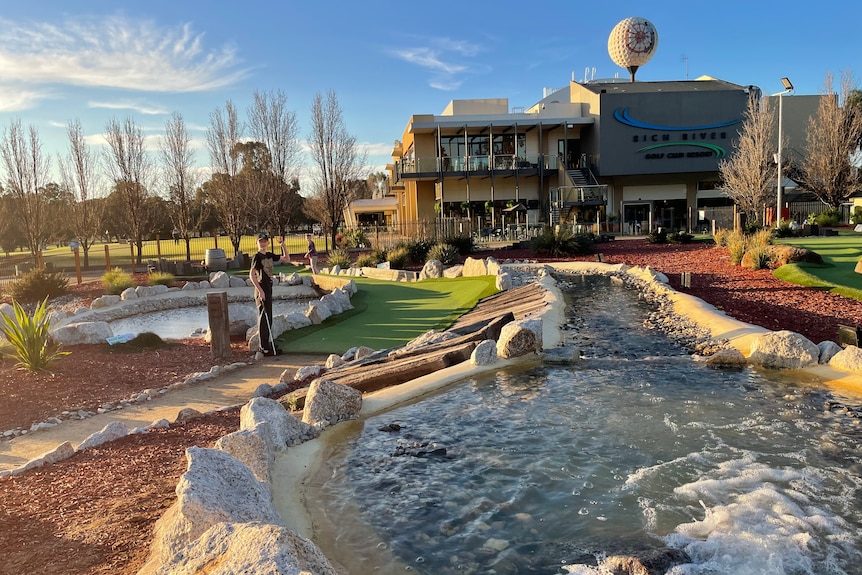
(837, 273)
(390, 314)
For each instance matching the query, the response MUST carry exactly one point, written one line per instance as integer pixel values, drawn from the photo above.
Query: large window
(481, 145)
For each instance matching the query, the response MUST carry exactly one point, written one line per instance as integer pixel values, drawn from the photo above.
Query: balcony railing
(579, 194)
(483, 164)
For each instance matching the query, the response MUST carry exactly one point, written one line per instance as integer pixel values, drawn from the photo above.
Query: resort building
(615, 155)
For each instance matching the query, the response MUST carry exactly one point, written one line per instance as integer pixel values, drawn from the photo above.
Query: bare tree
(748, 177)
(131, 169)
(182, 179)
(276, 127)
(339, 162)
(224, 191)
(80, 179)
(832, 141)
(26, 177)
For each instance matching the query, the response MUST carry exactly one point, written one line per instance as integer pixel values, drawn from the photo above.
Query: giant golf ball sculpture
(632, 43)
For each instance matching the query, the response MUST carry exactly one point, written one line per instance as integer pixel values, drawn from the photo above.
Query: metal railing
(498, 162)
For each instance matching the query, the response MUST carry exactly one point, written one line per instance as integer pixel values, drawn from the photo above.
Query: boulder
(485, 353)
(85, 332)
(503, 281)
(219, 280)
(519, 338)
(7, 310)
(454, 271)
(848, 359)
(216, 488)
(728, 356)
(431, 269)
(112, 431)
(317, 312)
(828, 349)
(474, 267)
(328, 402)
(783, 350)
(236, 282)
(250, 548)
(128, 293)
(189, 286)
(250, 447)
(334, 360)
(363, 351)
(307, 372)
(493, 266)
(283, 430)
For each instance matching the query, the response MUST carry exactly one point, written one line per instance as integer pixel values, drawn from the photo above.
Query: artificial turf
(389, 314)
(837, 273)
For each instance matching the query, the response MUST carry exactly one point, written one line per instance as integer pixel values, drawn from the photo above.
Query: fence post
(107, 258)
(132, 251)
(219, 325)
(77, 265)
(40, 262)
(158, 247)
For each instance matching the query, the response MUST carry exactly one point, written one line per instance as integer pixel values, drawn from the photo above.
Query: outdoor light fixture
(788, 87)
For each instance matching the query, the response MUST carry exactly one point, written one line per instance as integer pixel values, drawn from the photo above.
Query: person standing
(311, 254)
(260, 275)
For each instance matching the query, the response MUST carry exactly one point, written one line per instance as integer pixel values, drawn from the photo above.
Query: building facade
(634, 156)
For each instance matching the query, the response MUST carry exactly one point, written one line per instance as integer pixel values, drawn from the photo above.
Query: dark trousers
(264, 324)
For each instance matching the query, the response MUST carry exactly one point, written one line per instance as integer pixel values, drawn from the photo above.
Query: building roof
(702, 84)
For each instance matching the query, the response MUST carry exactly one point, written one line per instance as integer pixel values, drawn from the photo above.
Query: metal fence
(171, 256)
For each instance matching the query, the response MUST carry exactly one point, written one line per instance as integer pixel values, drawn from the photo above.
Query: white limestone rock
(432, 269)
(332, 303)
(204, 284)
(342, 296)
(474, 267)
(128, 293)
(59, 453)
(249, 548)
(333, 360)
(519, 338)
(219, 280)
(189, 286)
(493, 266)
(350, 354)
(485, 353)
(828, 349)
(250, 446)
(112, 431)
(7, 310)
(236, 281)
(104, 301)
(783, 350)
(848, 359)
(85, 332)
(284, 429)
(503, 281)
(307, 372)
(328, 402)
(317, 313)
(455, 271)
(216, 488)
(729, 357)
(363, 351)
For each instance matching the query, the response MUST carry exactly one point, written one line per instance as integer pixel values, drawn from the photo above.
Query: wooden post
(215, 237)
(132, 251)
(107, 258)
(158, 247)
(40, 262)
(219, 325)
(77, 253)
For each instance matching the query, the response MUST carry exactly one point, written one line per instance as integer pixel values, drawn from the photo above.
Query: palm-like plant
(29, 337)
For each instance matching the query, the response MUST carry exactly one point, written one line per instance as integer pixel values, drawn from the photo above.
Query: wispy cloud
(110, 52)
(140, 107)
(447, 59)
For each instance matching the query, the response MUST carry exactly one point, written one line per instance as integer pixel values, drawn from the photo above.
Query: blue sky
(94, 60)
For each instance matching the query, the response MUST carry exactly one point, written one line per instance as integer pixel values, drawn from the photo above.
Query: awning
(519, 207)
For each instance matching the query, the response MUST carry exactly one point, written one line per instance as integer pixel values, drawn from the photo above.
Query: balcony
(480, 166)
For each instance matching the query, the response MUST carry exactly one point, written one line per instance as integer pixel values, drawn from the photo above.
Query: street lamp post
(788, 87)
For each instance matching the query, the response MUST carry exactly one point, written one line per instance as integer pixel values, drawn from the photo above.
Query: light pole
(788, 87)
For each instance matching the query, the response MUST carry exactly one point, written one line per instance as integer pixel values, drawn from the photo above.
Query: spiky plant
(29, 337)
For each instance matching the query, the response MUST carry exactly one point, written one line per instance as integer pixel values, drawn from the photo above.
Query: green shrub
(856, 216)
(38, 284)
(828, 217)
(398, 258)
(161, 278)
(447, 254)
(464, 244)
(379, 255)
(736, 247)
(561, 241)
(720, 237)
(366, 261)
(784, 230)
(762, 237)
(757, 257)
(117, 281)
(418, 250)
(338, 258)
(680, 238)
(29, 338)
(354, 238)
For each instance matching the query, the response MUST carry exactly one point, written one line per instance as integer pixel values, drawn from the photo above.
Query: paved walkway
(232, 388)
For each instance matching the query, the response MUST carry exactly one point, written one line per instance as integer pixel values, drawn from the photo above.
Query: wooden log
(396, 372)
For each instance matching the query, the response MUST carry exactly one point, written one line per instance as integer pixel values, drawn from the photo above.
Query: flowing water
(637, 447)
(193, 321)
